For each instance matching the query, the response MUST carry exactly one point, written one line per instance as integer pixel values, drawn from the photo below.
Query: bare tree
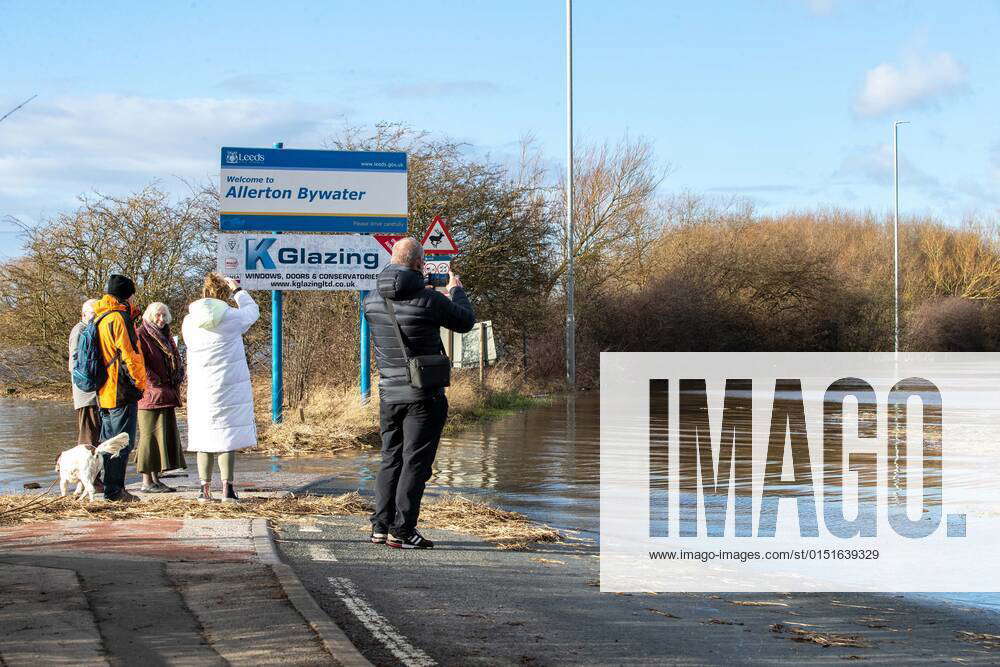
(614, 211)
(161, 244)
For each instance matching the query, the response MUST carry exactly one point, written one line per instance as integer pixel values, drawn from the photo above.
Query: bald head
(407, 252)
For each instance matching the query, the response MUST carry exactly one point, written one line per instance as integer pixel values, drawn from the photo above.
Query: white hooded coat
(219, 397)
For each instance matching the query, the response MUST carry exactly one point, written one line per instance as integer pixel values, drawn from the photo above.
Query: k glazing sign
(267, 189)
(800, 472)
(302, 261)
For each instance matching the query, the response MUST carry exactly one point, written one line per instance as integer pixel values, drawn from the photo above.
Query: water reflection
(32, 435)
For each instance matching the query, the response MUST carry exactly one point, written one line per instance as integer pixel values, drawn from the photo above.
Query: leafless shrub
(160, 243)
(950, 324)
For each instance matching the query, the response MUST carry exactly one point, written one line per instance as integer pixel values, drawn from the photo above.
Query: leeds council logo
(232, 157)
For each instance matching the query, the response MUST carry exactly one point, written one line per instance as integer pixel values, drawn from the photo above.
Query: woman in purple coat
(159, 440)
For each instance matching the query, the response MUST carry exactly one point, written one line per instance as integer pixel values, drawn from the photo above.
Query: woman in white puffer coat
(219, 396)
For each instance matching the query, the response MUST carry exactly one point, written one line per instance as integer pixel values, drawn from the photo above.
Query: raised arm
(455, 313)
(247, 310)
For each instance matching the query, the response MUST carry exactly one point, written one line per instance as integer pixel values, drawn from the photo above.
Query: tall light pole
(895, 228)
(570, 317)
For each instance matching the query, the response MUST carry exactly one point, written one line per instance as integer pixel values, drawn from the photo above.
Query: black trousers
(410, 436)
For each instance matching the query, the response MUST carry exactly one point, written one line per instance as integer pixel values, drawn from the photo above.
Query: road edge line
(332, 636)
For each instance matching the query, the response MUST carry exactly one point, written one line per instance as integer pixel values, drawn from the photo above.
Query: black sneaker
(378, 536)
(230, 495)
(414, 541)
(124, 497)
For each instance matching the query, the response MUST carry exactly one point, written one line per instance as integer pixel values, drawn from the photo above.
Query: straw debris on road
(825, 639)
(507, 530)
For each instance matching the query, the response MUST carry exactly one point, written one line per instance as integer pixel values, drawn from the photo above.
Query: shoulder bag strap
(395, 325)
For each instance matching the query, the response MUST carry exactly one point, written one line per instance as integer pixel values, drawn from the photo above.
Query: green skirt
(159, 445)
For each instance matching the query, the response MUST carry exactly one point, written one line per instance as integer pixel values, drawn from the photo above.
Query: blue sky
(788, 102)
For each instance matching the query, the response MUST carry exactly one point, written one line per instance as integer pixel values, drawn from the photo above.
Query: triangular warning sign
(437, 240)
(388, 240)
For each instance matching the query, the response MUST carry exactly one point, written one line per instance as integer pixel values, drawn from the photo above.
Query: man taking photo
(405, 316)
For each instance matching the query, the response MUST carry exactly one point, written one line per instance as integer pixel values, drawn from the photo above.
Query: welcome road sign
(302, 261)
(270, 189)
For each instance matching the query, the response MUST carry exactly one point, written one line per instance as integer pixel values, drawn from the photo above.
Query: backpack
(89, 371)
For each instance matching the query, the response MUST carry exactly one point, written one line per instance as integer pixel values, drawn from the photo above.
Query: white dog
(82, 463)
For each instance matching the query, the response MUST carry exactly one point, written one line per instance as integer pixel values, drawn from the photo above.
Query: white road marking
(320, 554)
(309, 529)
(377, 624)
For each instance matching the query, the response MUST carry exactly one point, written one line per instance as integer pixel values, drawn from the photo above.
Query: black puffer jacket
(421, 312)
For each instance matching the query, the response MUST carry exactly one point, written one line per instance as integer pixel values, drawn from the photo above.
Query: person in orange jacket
(119, 395)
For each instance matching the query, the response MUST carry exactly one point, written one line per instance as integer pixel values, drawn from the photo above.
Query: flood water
(543, 462)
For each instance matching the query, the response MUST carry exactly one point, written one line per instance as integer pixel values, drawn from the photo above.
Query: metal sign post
(365, 345)
(277, 371)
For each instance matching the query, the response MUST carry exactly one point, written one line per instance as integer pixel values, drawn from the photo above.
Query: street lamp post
(570, 316)
(895, 229)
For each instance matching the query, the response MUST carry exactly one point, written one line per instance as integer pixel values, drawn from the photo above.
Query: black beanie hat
(120, 287)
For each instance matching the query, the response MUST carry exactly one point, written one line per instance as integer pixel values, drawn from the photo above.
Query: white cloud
(872, 165)
(53, 151)
(919, 80)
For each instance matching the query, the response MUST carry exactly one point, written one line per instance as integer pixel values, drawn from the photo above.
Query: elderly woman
(159, 440)
(220, 400)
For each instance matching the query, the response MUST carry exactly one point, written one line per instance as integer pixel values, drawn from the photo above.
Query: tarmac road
(467, 603)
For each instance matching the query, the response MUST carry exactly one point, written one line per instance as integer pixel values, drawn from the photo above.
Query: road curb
(333, 638)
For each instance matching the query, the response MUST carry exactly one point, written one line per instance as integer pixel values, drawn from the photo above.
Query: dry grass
(331, 420)
(285, 508)
(503, 393)
(507, 530)
(334, 419)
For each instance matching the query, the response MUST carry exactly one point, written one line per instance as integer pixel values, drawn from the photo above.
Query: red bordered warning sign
(388, 240)
(437, 240)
